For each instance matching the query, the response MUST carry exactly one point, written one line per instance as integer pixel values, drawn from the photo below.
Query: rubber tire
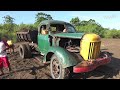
(29, 54)
(63, 71)
(105, 54)
(23, 51)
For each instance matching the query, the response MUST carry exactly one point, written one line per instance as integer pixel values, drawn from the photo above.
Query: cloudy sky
(108, 19)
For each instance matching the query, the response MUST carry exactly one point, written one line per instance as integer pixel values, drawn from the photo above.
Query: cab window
(56, 28)
(43, 30)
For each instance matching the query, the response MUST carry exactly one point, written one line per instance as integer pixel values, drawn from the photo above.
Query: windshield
(70, 28)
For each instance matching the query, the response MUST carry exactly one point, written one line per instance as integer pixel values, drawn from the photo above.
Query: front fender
(64, 56)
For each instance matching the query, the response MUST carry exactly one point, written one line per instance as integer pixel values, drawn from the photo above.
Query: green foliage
(8, 23)
(75, 21)
(26, 26)
(9, 28)
(42, 16)
(91, 27)
(113, 34)
(8, 19)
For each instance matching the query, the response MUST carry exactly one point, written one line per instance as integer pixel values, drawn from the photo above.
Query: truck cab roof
(45, 22)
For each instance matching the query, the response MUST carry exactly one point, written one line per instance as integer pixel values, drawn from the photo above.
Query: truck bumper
(79, 68)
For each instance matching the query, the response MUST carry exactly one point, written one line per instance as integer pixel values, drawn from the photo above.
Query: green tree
(8, 23)
(91, 21)
(112, 33)
(91, 26)
(75, 21)
(83, 23)
(23, 26)
(8, 19)
(42, 16)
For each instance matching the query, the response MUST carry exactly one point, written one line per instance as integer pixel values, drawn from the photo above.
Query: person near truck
(65, 29)
(11, 46)
(4, 62)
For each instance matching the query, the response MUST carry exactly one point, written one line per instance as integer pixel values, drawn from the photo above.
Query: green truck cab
(65, 49)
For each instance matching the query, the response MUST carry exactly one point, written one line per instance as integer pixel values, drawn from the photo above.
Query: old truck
(68, 52)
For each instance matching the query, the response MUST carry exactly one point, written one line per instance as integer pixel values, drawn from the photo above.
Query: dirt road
(32, 69)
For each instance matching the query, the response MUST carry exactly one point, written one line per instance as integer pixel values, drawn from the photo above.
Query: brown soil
(34, 69)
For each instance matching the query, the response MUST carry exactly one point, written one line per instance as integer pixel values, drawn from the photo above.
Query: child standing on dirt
(4, 63)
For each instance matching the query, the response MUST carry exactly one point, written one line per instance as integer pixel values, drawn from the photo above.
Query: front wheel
(56, 69)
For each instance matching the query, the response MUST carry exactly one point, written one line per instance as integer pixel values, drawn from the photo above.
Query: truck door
(43, 39)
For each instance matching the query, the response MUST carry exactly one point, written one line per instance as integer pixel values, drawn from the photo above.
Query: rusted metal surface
(73, 49)
(22, 32)
(30, 36)
(90, 65)
(56, 68)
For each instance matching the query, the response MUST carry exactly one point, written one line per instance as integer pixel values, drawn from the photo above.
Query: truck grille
(94, 50)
